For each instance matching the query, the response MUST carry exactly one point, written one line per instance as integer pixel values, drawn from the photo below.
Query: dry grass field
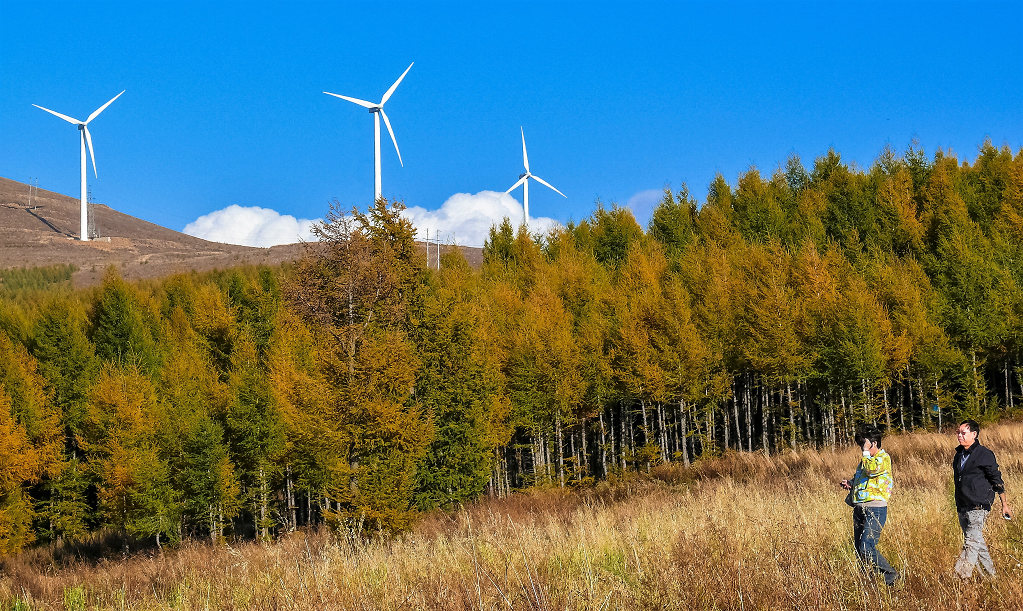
(736, 532)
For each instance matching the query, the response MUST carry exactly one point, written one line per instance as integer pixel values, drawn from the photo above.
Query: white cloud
(250, 226)
(466, 218)
(643, 204)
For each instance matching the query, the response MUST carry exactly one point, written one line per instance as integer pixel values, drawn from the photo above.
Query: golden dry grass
(737, 532)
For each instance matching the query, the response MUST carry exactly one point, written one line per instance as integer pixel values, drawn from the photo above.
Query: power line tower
(33, 187)
(91, 216)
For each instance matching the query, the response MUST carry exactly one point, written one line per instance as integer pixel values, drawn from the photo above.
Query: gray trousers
(974, 547)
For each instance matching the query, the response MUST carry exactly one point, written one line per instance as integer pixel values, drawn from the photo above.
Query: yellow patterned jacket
(873, 480)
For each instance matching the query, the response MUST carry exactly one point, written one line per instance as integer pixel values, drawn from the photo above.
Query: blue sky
(224, 106)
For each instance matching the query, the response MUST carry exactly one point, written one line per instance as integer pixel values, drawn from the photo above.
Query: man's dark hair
(972, 424)
(868, 432)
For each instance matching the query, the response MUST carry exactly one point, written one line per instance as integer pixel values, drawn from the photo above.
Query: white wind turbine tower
(83, 127)
(377, 110)
(524, 181)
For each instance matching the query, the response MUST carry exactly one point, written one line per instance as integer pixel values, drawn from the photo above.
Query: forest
(357, 388)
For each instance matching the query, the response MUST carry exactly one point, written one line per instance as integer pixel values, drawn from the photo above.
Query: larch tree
(135, 490)
(459, 384)
(362, 287)
(29, 426)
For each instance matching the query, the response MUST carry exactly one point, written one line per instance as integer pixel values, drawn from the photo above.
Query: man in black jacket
(977, 480)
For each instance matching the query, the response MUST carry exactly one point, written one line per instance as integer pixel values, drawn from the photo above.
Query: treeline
(19, 280)
(357, 386)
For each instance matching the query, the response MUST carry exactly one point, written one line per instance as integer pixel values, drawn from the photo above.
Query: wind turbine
(524, 181)
(377, 110)
(83, 127)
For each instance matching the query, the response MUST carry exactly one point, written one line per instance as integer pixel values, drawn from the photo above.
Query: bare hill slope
(42, 229)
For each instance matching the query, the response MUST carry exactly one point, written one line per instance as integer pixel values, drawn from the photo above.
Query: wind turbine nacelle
(81, 127)
(375, 109)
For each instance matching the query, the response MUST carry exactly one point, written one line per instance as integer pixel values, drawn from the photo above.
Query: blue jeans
(867, 525)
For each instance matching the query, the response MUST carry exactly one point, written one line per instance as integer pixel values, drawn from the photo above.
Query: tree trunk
(763, 420)
(646, 433)
(735, 414)
(264, 500)
(726, 426)
(584, 463)
(519, 469)
(711, 441)
(632, 439)
(925, 419)
(676, 435)
(749, 413)
(908, 390)
(831, 423)
(603, 445)
(535, 448)
(1008, 387)
(902, 406)
(685, 432)
(561, 451)
(289, 490)
(213, 523)
(792, 415)
(572, 453)
(697, 433)
(867, 415)
(845, 417)
(887, 409)
(976, 384)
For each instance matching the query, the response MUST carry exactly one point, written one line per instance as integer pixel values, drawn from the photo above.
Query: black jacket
(978, 479)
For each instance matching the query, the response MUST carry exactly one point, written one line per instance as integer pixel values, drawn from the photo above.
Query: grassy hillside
(738, 532)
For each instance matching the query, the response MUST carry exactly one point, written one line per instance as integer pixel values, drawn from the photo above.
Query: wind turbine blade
(102, 108)
(88, 140)
(548, 185)
(362, 103)
(387, 122)
(525, 159)
(387, 95)
(54, 112)
(513, 187)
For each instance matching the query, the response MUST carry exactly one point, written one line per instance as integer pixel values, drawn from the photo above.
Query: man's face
(965, 436)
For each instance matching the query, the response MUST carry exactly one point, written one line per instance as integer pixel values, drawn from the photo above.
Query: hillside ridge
(40, 228)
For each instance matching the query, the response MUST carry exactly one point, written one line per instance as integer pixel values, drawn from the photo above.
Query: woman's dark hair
(868, 432)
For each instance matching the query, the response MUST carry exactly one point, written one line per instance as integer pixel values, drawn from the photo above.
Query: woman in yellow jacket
(869, 490)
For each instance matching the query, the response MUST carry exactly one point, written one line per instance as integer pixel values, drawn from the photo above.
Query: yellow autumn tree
(360, 289)
(30, 439)
(19, 465)
(121, 438)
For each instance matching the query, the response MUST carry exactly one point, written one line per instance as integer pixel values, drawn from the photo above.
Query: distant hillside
(45, 231)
